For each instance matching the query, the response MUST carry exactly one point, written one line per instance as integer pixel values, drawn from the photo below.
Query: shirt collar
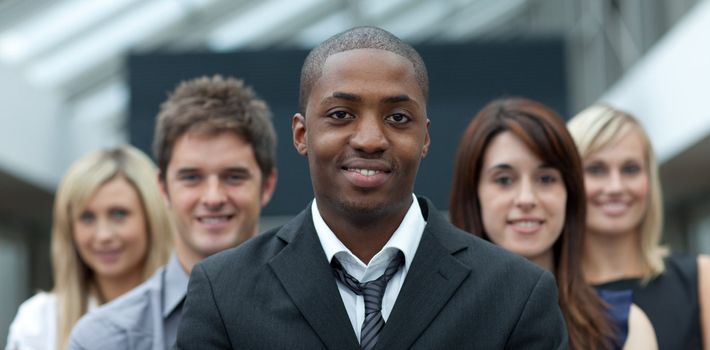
(175, 285)
(405, 238)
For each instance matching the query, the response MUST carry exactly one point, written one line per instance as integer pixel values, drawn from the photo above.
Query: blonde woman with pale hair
(669, 295)
(110, 232)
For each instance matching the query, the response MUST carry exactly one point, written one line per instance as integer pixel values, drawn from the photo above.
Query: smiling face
(522, 199)
(111, 231)
(215, 191)
(617, 185)
(364, 134)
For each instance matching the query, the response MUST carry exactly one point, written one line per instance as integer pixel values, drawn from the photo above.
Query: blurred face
(616, 181)
(111, 231)
(365, 133)
(522, 199)
(213, 186)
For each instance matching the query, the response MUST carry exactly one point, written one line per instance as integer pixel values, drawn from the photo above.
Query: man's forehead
(342, 57)
(364, 65)
(209, 147)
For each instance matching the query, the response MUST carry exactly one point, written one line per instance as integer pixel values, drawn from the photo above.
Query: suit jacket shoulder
(464, 291)
(125, 323)
(277, 291)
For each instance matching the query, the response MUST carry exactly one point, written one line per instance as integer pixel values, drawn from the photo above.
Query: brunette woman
(518, 183)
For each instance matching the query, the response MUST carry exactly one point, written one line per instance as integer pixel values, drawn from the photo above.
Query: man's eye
(398, 118)
(235, 178)
(188, 178)
(341, 115)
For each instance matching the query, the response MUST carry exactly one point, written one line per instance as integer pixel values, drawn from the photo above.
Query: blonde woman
(622, 252)
(110, 232)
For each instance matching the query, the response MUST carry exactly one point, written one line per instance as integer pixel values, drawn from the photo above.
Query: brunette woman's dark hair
(543, 131)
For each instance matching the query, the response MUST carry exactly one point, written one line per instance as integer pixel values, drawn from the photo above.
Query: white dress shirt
(35, 325)
(405, 239)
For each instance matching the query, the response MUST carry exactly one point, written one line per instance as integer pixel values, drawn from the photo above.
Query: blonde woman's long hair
(73, 279)
(596, 128)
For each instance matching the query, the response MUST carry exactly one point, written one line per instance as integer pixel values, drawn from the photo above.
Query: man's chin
(208, 251)
(362, 207)
(209, 248)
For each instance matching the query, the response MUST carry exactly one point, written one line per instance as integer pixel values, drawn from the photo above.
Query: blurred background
(80, 75)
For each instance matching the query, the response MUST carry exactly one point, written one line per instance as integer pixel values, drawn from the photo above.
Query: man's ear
(425, 148)
(300, 137)
(268, 187)
(162, 184)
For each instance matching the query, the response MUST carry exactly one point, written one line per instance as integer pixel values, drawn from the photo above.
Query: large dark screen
(462, 79)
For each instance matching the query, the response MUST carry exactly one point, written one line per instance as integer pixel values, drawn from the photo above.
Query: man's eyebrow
(237, 169)
(187, 170)
(344, 96)
(230, 169)
(339, 95)
(396, 99)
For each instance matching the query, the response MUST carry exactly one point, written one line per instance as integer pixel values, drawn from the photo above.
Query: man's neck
(363, 235)
(185, 256)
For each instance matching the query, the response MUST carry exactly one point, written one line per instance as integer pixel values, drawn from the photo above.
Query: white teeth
(365, 172)
(527, 224)
(108, 252)
(213, 220)
(615, 206)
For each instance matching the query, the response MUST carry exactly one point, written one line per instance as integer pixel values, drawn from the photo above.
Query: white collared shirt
(36, 324)
(405, 239)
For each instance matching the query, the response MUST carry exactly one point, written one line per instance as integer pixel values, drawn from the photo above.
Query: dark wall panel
(462, 79)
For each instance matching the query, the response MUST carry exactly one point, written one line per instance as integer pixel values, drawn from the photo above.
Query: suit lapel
(303, 270)
(432, 279)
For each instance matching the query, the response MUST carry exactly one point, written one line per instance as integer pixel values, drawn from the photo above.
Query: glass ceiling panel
(323, 29)
(54, 25)
(249, 26)
(418, 18)
(109, 41)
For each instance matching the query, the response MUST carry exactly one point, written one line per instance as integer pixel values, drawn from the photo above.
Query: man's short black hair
(352, 39)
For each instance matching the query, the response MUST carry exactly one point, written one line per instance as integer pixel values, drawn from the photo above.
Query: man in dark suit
(367, 264)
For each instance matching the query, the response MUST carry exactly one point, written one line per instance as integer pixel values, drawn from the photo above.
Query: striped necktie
(372, 292)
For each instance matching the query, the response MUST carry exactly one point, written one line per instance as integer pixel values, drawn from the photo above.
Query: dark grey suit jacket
(277, 291)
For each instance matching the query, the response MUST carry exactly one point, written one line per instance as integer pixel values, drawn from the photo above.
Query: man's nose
(213, 195)
(369, 135)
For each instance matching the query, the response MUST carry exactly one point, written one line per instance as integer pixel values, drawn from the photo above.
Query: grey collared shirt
(145, 318)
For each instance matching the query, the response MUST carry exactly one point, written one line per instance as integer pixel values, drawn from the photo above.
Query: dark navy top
(670, 301)
(619, 302)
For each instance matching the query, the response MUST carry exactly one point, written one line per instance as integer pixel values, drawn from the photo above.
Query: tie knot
(372, 293)
(372, 288)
